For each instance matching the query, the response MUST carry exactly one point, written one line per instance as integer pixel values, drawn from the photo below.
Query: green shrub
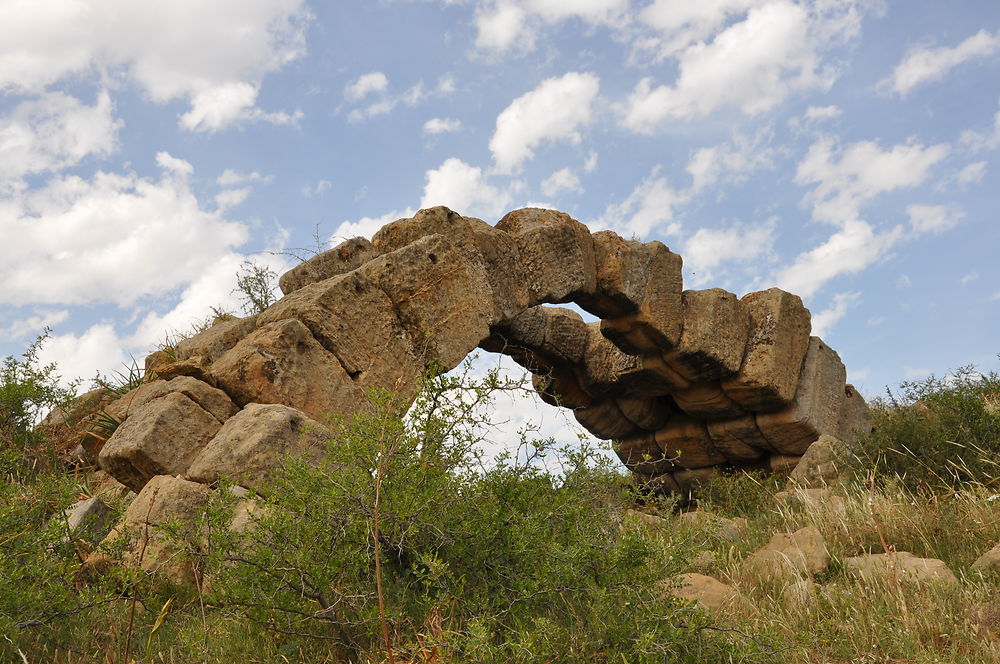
(407, 540)
(938, 433)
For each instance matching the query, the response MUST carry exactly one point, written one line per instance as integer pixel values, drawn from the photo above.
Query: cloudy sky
(841, 149)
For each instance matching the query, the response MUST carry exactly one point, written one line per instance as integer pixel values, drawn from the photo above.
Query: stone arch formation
(681, 380)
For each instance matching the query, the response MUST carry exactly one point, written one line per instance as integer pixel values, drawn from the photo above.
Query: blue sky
(845, 150)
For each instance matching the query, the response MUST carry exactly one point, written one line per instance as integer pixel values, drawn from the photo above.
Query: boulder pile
(681, 380)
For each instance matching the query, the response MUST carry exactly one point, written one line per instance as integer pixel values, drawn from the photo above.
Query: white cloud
(33, 324)
(441, 126)
(972, 173)
(824, 321)
(553, 111)
(113, 238)
(649, 207)
(230, 177)
(822, 112)
(753, 64)
(229, 198)
(681, 23)
(848, 251)
(410, 97)
(53, 132)
(562, 180)
(214, 54)
(366, 84)
(735, 159)
(988, 140)
(318, 189)
(590, 165)
(847, 178)
(968, 278)
(503, 25)
(709, 248)
(464, 189)
(923, 65)
(366, 226)
(82, 356)
(904, 281)
(932, 218)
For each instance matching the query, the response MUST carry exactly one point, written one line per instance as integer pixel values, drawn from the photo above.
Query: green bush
(406, 540)
(937, 433)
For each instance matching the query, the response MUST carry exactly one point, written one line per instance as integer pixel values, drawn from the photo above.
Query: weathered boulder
(776, 348)
(282, 363)
(686, 440)
(714, 336)
(88, 520)
(346, 256)
(855, 417)
(821, 464)
(214, 400)
(556, 253)
(706, 591)
(251, 445)
(989, 561)
(901, 566)
(161, 437)
(802, 553)
(210, 344)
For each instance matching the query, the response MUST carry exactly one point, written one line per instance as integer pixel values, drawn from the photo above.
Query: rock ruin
(681, 380)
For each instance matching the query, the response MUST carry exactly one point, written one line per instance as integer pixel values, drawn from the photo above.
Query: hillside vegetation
(407, 544)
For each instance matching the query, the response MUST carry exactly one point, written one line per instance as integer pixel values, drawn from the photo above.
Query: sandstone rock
(855, 417)
(345, 257)
(821, 464)
(605, 420)
(212, 399)
(251, 445)
(649, 413)
(606, 370)
(801, 553)
(989, 561)
(212, 343)
(643, 519)
(738, 438)
(88, 520)
(656, 327)
(642, 455)
(714, 336)
(560, 386)
(194, 367)
(901, 565)
(165, 500)
(817, 406)
(689, 480)
(162, 437)
(707, 591)
(352, 318)
(812, 499)
(782, 464)
(441, 294)
(622, 273)
(282, 363)
(494, 248)
(686, 440)
(799, 596)
(707, 400)
(728, 530)
(153, 362)
(776, 348)
(556, 253)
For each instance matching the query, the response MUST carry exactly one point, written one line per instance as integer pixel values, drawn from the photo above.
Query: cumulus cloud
(112, 238)
(824, 321)
(822, 112)
(464, 188)
(972, 173)
(366, 226)
(215, 55)
(374, 81)
(923, 65)
(846, 178)
(53, 132)
(33, 324)
(556, 110)
(983, 140)
(680, 23)
(709, 248)
(735, 160)
(507, 25)
(932, 218)
(441, 126)
(82, 355)
(848, 251)
(753, 64)
(562, 180)
(650, 207)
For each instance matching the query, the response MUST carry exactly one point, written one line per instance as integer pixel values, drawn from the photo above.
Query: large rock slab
(855, 417)
(622, 274)
(160, 438)
(714, 336)
(212, 343)
(821, 464)
(353, 318)
(817, 406)
(801, 553)
(707, 401)
(686, 440)
(605, 420)
(556, 254)
(210, 398)
(656, 327)
(776, 348)
(254, 443)
(282, 363)
(346, 256)
(441, 294)
(902, 566)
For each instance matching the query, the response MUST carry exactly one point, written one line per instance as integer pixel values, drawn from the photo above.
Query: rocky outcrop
(681, 380)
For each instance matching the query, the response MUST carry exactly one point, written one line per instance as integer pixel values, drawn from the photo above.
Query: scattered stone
(903, 565)
(988, 561)
(728, 530)
(799, 596)
(88, 520)
(647, 520)
(821, 464)
(707, 591)
(813, 499)
(802, 553)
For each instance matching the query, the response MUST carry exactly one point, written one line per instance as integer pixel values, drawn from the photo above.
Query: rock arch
(681, 380)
